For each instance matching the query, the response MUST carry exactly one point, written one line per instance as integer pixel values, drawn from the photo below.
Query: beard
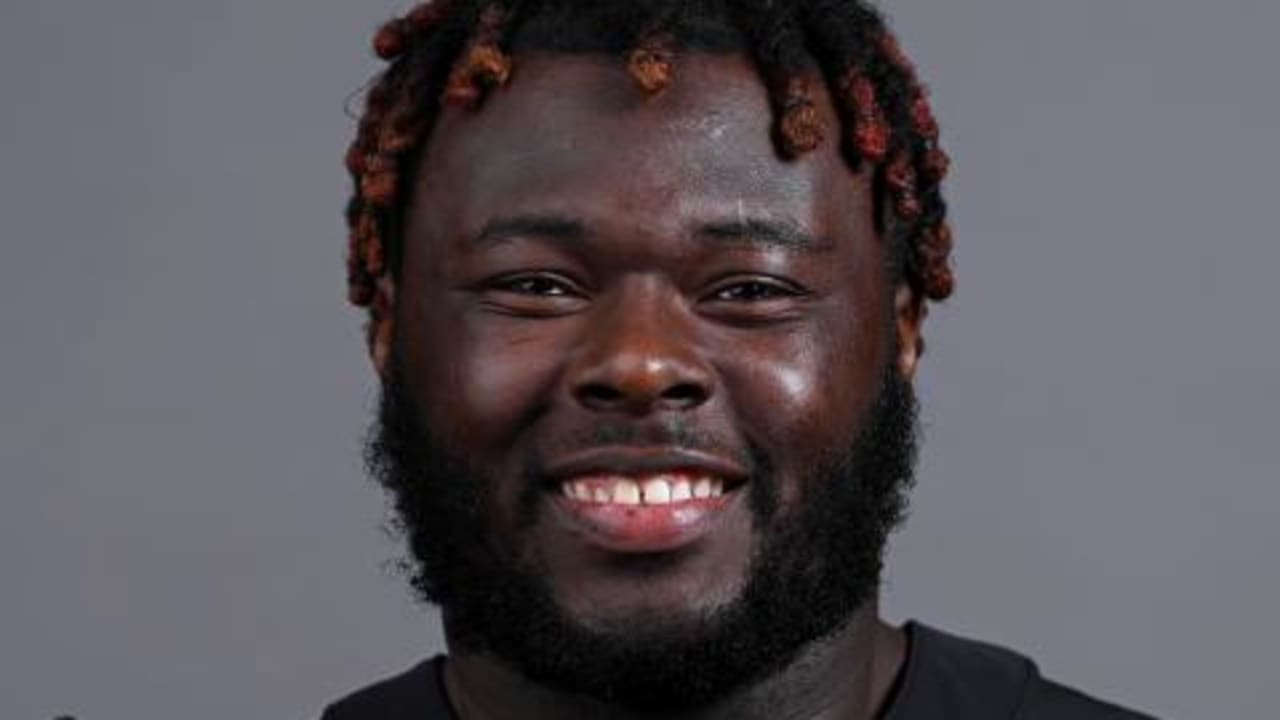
(814, 567)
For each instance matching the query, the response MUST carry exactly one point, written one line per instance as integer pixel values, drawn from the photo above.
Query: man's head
(646, 283)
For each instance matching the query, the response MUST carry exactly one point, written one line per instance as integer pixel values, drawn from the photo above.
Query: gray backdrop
(185, 531)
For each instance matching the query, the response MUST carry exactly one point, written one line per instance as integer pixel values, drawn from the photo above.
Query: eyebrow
(766, 233)
(555, 227)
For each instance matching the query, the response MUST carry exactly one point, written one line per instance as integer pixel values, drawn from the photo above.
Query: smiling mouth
(658, 489)
(647, 513)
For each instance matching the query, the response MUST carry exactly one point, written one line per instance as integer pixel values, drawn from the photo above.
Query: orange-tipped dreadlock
(870, 129)
(651, 62)
(457, 51)
(891, 125)
(484, 65)
(773, 30)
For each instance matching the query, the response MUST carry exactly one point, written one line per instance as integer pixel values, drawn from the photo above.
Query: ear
(909, 311)
(382, 321)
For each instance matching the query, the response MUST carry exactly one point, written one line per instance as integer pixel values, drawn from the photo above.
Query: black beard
(813, 572)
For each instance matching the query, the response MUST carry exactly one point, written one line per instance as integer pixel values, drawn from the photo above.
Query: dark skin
(578, 254)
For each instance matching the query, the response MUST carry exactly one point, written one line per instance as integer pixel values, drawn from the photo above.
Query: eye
(756, 300)
(755, 290)
(533, 295)
(535, 285)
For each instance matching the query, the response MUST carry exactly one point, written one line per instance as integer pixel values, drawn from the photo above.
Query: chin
(600, 588)
(642, 605)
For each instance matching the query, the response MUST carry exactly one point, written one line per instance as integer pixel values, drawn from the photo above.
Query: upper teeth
(656, 490)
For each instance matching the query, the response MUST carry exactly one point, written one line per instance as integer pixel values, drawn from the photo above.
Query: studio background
(185, 528)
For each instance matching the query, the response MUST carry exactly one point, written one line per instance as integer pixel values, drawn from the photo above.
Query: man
(646, 284)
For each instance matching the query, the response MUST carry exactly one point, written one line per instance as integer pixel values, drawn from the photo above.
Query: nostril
(599, 395)
(604, 396)
(684, 395)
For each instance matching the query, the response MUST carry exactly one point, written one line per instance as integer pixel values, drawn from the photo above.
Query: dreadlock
(455, 52)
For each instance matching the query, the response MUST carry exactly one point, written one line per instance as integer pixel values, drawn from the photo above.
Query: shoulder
(414, 693)
(951, 677)
(1050, 701)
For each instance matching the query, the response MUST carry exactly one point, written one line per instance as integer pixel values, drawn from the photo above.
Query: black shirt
(945, 678)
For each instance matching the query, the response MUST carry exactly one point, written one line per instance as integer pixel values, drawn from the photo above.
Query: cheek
(494, 384)
(479, 384)
(501, 379)
(778, 392)
(801, 398)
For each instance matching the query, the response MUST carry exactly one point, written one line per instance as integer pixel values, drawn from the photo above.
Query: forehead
(572, 134)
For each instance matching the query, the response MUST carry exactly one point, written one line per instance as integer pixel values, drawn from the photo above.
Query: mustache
(674, 432)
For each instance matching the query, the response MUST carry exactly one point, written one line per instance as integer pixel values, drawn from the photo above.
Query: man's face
(646, 342)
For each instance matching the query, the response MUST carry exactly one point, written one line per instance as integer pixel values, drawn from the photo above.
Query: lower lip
(645, 528)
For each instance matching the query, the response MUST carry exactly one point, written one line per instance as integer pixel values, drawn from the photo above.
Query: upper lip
(644, 461)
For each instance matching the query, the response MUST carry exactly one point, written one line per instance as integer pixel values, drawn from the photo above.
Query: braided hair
(455, 52)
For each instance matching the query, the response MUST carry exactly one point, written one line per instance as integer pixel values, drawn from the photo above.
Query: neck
(846, 676)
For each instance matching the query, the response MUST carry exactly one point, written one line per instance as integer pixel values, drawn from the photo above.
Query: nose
(638, 357)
